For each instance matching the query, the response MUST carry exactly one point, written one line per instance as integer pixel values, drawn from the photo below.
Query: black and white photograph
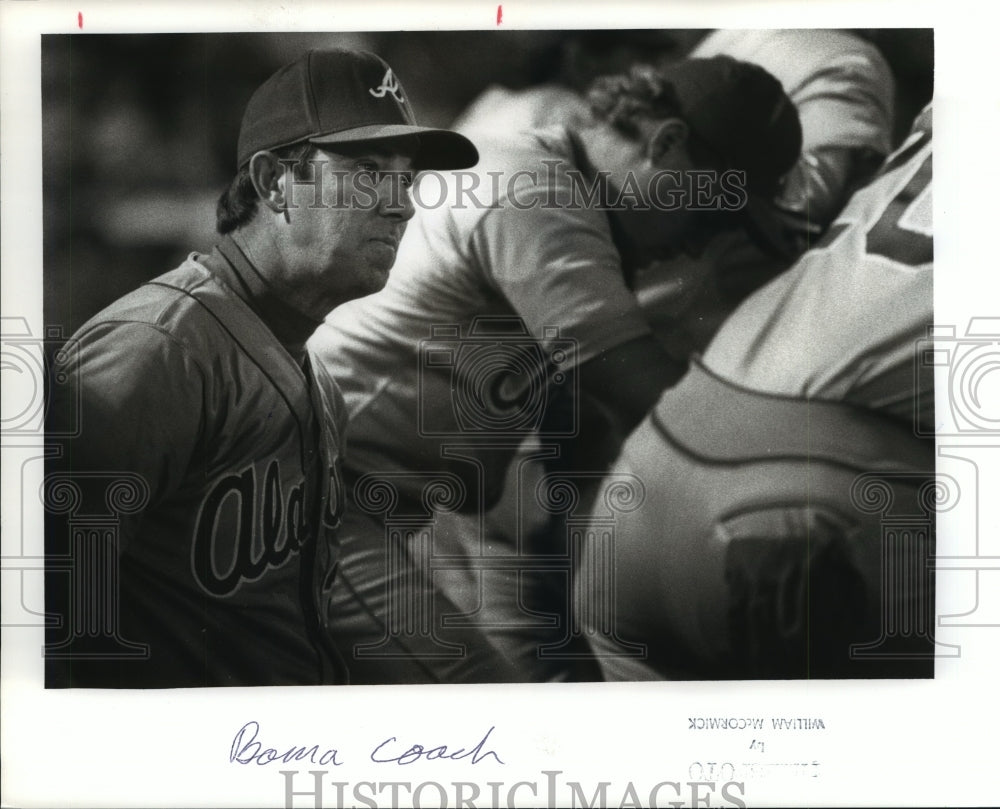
(602, 377)
(472, 426)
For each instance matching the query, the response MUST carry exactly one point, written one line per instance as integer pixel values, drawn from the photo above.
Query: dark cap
(340, 96)
(741, 112)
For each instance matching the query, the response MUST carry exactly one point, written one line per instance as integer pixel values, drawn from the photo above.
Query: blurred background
(139, 131)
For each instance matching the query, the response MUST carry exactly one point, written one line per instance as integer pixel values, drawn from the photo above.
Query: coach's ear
(666, 139)
(267, 176)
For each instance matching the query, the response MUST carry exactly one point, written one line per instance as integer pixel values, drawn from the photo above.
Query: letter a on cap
(389, 85)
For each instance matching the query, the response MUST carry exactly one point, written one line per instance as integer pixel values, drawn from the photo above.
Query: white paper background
(904, 743)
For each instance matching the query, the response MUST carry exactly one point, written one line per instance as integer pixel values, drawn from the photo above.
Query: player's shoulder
(329, 387)
(805, 61)
(532, 173)
(903, 183)
(923, 124)
(526, 150)
(165, 309)
(539, 170)
(499, 109)
(775, 47)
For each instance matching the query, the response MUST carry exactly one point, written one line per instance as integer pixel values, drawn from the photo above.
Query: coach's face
(341, 222)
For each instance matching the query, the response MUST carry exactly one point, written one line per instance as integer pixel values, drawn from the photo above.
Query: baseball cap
(341, 96)
(741, 112)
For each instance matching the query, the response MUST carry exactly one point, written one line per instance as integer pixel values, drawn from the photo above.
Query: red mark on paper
(79, 18)
(499, 14)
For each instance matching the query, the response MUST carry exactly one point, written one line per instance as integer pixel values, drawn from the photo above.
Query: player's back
(842, 324)
(497, 258)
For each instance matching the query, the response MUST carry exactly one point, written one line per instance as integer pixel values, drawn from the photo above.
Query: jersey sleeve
(843, 322)
(840, 84)
(138, 399)
(558, 268)
(848, 103)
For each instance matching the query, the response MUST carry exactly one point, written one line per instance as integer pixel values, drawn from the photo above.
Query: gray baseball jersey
(488, 309)
(221, 572)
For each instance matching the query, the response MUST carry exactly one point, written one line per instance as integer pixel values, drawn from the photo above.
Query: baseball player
(843, 90)
(207, 432)
(492, 307)
(758, 552)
